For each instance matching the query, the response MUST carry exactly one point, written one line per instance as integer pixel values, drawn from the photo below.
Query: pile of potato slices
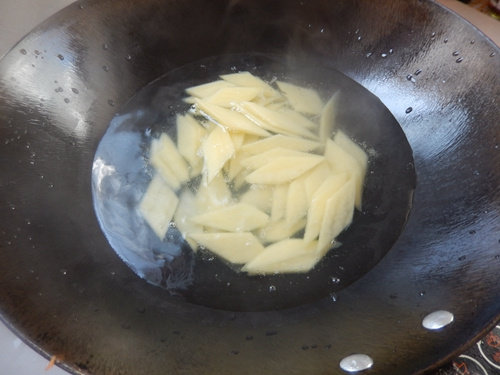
(257, 174)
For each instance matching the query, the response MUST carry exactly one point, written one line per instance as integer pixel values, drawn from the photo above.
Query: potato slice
(339, 209)
(280, 141)
(315, 177)
(290, 255)
(186, 209)
(207, 89)
(260, 196)
(240, 217)
(256, 161)
(353, 149)
(301, 99)
(236, 248)
(168, 152)
(218, 148)
(189, 136)
(341, 161)
(229, 119)
(247, 79)
(278, 207)
(280, 230)
(228, 96)
(327, 122)
(296, 201)
(283, 169)
(213, 195)
(158, 205)
(238, 139)
(299, 119)
(278, 122)
(316, 210)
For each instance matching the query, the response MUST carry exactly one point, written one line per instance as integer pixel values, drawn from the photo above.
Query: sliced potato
(280, 141)
(229, 119)
(338, 215)
(226, 97)
(283, 169)
(299, 119)
(218, 148)
(315, 177)
(317, 206)
(186, 209)
(189, 136)
(260, 196)
(256, 161)
(327, 121)
(279, 257)
(296, 201)
(213, 195)
(162, 166)
(238, 139)
(240, 217)
(236, 248)
(247, 79)
(341, 161)
(353, 149)
(278, 206)
(280, 230)
(278, 122)
(158, 205)
(302, 99)
(207, 89)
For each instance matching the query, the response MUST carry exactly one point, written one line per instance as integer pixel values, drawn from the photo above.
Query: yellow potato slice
(168, 152)
(260, 196)
(353, 149)
(280, 230)
(247, 79)
(238, 139)
(339, 209)
(278, 207)
(283, 169)
(207, 89)
(296, 201)
(234, 166)
(316, 210)
(327, 122)
(240, 217)
(217, 148)
(236, 248)
(256, 161)
(229, 119)
(299, 119)
(315, 177)
(280, 141)
(277, 122)
(213, 195)
(239, 181)
(186, 209)
(228, 96)
(341, 161)
(282, 256)
(158, 205)
(302, 99)
(189, 136)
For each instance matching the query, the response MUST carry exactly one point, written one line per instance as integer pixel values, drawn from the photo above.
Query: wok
(63, 288)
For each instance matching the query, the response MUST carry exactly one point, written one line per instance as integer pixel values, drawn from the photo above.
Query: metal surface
(59, 89)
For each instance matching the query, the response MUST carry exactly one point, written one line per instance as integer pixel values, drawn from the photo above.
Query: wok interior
(121, 175)
(64, 289)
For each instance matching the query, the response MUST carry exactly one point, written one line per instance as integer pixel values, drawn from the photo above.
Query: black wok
(64, 289)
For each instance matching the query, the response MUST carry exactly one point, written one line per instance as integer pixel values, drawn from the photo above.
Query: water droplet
(408, 110)
(51, 186)
(356, 362)
(59, 89)
(417, 72)
(421, 293)
(60, 57)
(437, 319)
(66, 100)
(409, 77)
(111, 102)
(359, 38)
(272, 288)
(492, 54)
(63, 271)
(462, 258)
(334, 297)
(445, 40)
(105, 68)
(391, 51)
(369, 54)
(105, 46)
(228, 284)
(128, 57)
(433, 35)
(455, 53)
(472, 41)
(75, 90)
(472, 231)
(383, 55)
(322, 30)
(81, 6)
(459, 60)
(335, 280)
